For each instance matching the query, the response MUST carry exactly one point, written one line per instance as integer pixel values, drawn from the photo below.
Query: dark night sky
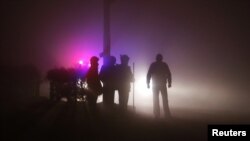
(204, 42)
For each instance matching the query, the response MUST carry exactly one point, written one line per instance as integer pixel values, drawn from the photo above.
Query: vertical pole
(106, 26)
(133, 87)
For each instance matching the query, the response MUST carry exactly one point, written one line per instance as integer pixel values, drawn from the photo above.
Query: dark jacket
(124, 77)
(160, 74)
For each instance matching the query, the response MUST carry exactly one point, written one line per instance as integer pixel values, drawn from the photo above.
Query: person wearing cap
(125, 77)
(108, 78)
(94, 84)
(160, 74)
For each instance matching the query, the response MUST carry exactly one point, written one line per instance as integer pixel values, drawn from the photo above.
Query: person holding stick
(125, 77)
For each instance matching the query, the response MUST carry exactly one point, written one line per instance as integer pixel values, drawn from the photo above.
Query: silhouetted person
(161, 75)
(94, 84)
(108, 77)
(124, 78)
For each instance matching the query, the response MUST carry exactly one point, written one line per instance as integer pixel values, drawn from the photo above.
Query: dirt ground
(38, 118)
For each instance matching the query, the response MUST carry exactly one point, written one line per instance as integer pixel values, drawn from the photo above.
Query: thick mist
(205, 44)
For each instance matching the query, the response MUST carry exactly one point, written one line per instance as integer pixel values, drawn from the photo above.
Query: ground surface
(40, 119)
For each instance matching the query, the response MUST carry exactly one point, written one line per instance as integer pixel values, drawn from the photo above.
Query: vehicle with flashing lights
(68, 83)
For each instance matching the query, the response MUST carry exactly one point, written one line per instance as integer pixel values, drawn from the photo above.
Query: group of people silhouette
(114, 77)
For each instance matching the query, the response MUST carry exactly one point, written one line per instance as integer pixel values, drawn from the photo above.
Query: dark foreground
(40, 119)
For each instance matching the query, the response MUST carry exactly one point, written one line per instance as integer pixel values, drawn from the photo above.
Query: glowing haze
(204, 42)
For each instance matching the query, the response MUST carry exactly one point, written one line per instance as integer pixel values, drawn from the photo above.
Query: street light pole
(106, 26)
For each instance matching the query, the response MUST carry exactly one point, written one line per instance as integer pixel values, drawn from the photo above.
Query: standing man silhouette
(124, 78)
(108, 76)
(94, 84)
(161, 75)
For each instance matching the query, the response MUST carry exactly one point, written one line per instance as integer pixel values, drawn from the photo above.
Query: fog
(205, 44)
